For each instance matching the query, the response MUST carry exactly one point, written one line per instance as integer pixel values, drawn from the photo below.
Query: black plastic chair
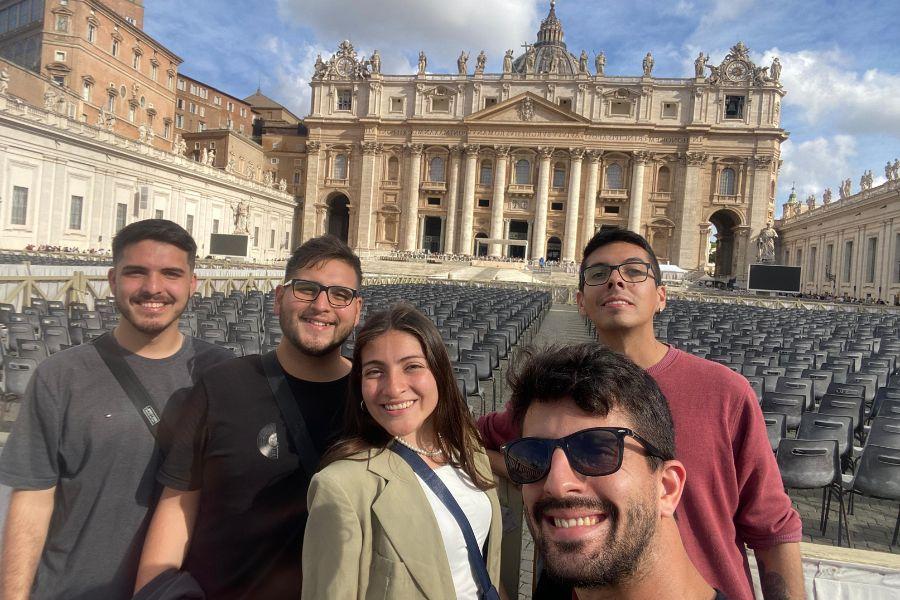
(815, 426)
(776, 428)
(17, 372)
(791, 405)
(885, 433)
(878, 476)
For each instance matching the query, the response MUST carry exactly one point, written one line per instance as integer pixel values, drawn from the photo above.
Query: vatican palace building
(532, 161)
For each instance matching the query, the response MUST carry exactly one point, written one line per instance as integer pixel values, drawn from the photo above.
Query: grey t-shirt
(78, 430)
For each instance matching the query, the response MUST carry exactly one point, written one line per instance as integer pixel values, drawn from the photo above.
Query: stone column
(757, 213)
(703, 249)
(637, 190)
(686, 240)
(371, 151)
(542, 195)
(452, 197)
(506, 236)
(588, 224)
(421, 229)
(570, 234)
(467, 215)
(499, 199)
(411, 208)
(313, 175)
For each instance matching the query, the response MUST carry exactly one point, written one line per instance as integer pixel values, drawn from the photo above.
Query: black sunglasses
(338, 296)
(592, 452)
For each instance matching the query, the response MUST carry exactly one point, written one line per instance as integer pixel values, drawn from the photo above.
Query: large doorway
(724, 223)
(554, 249)
(480, 249)
(339, 217)
(432, 241)
(518, 230)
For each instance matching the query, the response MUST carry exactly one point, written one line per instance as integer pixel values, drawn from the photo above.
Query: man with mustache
(81, 459)
(233, 513)
(735, 496)
(599, 477)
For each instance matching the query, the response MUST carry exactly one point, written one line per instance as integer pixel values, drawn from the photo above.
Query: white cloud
(816, 164)
(400, 28)
(823, 91)
(292, 67)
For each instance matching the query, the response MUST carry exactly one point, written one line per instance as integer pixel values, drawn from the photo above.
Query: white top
(477, 507)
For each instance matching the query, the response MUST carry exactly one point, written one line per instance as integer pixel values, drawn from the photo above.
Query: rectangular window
(158, 214)
(111, 103)
(144, 197)
(296, 177)
(396, 105)
(669, 110)
(201, 126)
(484, 203)
(215, 228)
(829, 261)
(734, 107)
(75, 208)
(490, 101)
(121, 216)
(154, 71)
(243, 112)
(344, 100)
(848, 261)
(202, 111)
(434, 202)
(272, 239)
(189, 224)
(558, 206)
(136, 61)
(212, 145)
(287, 239)
(256, 237)
(871, 250)
(59, 56)
(811, 270)
(92, 33)
(179, 104)
(565, 103)
(274, 161)
(59, 80)
(131, 112)
(230, 106)
(799, 258)
(86, 91)
(440, 104)
(192, 108)
(610, 210)
(115, 48)
(62, 23)
(179, 121)
(19, 214)
(620, 108)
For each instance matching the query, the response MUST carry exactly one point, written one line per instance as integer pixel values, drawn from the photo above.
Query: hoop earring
(362, 405)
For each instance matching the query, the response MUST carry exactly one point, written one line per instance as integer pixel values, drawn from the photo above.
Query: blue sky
(841, 60)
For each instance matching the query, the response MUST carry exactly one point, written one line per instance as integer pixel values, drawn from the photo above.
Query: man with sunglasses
(735, 495)
(232, 513)
(599, 477)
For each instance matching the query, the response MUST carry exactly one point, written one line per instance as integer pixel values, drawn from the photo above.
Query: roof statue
(739, 69)
(548, 53)
(346, 64)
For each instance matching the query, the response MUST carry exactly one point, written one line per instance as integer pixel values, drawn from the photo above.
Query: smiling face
(151, 283)
(398, 387)
(316, 328)
(617, 305)
(591, 531)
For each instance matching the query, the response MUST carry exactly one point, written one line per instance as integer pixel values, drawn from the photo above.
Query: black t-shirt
(232, 444)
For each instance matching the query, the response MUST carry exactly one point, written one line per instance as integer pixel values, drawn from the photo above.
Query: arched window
(559, 175)
(523, 172)
(340, 166)
(393, 173)
(614, 177)
(487, 173)
(436, 169)
(726, 182)
(663, 182)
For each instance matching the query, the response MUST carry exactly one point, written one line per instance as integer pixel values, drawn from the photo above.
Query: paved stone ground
(871, 527)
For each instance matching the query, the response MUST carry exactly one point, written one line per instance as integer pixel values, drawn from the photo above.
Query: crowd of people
(152, 465)
(66, 249)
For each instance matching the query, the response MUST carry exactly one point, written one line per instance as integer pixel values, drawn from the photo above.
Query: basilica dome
(550, 53)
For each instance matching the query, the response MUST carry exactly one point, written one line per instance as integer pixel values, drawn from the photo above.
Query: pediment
(526, 108)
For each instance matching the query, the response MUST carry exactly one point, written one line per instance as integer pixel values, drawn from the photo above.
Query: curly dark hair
(319, 249)
(458, 437)
(597, 380)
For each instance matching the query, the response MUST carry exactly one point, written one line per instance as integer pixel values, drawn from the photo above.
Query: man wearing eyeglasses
(599, 477)
(735, 496)
(232, 513)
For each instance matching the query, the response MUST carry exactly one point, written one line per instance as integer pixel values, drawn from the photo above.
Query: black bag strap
(109, 351)
(476, 560)
(290, 412)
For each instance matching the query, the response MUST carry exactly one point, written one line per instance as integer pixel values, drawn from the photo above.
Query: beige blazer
(372, 534)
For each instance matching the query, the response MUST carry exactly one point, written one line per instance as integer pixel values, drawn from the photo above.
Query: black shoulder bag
(108, 350)
(476, 560)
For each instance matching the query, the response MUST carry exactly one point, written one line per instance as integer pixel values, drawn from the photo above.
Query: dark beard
(620, 556)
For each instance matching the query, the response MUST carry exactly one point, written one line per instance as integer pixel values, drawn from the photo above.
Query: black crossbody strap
(108, 350)
(290, 412)
(476, 560)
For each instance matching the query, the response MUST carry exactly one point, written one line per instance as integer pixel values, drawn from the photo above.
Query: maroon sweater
(733, 492)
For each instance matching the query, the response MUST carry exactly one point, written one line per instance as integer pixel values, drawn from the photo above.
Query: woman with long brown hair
(404, 506)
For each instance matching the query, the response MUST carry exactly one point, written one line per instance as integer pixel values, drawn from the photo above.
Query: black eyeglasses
(338, 296)
(592, 452)
(631, 272)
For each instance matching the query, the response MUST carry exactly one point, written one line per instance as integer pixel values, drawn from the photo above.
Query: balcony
(332, 182)
(660, 196)
(518, 189)
(434, 186)
(390, 184)
(727, 200)
(613, 195)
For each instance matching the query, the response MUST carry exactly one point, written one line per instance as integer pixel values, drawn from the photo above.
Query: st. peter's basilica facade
(530, 162)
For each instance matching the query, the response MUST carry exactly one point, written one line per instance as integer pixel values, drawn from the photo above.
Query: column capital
(502, 151)
(640, 156)
(594, 155)
(313, 145)
(694, 159)
(414, 148)
(455, 150)
(371, 147)
(761, 162)
(545, 152)
(471, 149)
(576, 153)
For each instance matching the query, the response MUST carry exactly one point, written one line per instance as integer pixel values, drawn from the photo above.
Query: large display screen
(774, 278)
(228, 245)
